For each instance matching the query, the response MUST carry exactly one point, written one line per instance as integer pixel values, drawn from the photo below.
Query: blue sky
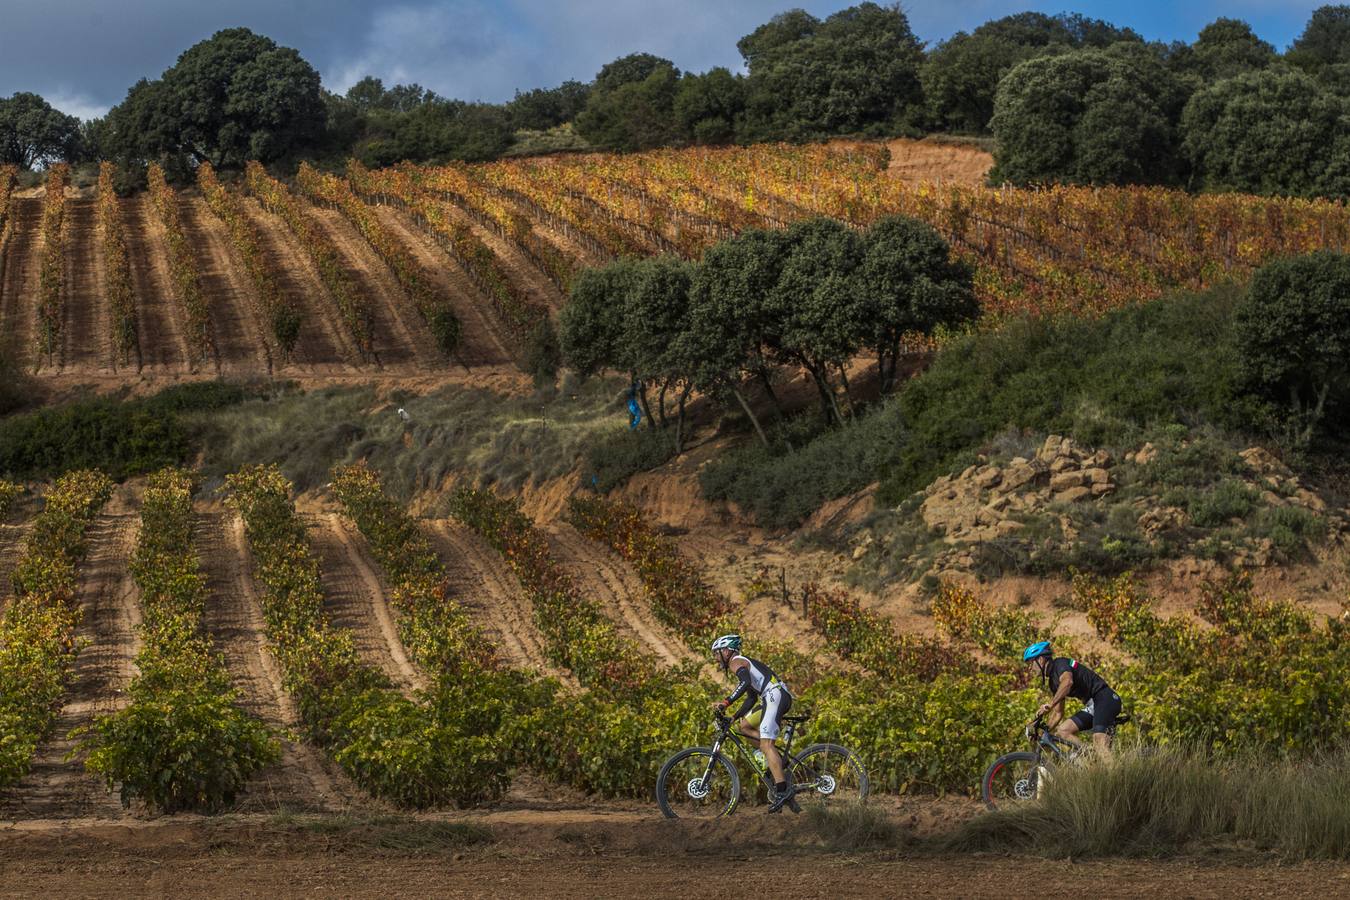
(84, 54)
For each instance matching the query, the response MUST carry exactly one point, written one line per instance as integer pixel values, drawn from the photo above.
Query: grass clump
(854, 826)
(1177, 801)
(615, 458)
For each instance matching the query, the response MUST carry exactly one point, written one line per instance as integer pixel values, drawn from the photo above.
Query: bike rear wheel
(829, 773)
(694, 784)
(1013, 778)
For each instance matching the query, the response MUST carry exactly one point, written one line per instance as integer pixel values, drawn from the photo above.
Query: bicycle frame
(727, 733)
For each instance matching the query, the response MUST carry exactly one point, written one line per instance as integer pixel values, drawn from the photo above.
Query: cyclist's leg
(1070, 727)
(776, 705)
(1107, 705)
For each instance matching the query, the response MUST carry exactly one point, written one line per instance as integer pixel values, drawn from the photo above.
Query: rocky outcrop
(988, 501)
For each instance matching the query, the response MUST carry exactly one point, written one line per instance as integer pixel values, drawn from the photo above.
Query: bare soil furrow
(11, 545)
(86, 335)
(483, 342)
(484, 584)
(304, 779)
(58, 787)
(322, 346)
(19, 289)
(240, 338)
(603, 575)
(519, 267)
(161, 339)
(355, 599)
(398, 335)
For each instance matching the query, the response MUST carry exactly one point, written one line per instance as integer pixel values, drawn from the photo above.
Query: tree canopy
(1088, 117)
(32, 132)
(1268, 132)
(234, 97)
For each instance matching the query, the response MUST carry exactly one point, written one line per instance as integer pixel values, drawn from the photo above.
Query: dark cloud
(84, 54)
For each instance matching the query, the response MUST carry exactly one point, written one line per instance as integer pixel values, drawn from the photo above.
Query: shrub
(615, 458)
(37, 635)
(182, 742)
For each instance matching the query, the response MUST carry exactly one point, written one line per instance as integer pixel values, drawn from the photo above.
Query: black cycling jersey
(1086, 683)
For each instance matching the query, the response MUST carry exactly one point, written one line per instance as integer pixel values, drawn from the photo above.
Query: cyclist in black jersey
(1066, 677)
(757, 682)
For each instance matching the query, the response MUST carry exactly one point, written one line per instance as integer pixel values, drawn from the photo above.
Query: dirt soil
(574, 853)
(949, 163)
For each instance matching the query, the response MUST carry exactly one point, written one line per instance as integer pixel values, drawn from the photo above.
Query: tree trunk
(679, 421)
(763, 373)
(646, 406)
(661, 402)
(827, 402)
(764, 438)
(848, 397)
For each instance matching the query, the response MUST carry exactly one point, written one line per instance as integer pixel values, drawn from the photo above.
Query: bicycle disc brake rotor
(698, 789)
(826, 785)
(1025, 789)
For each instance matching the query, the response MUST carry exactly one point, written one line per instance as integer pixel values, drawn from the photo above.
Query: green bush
(1107, 382)
(780, 488)
(613, 459)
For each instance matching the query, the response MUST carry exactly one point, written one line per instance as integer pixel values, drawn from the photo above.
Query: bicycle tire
(804, 773)
(672, 797)
(1008, 761)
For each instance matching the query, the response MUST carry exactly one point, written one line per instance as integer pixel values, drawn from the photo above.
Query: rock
(1101, 490)
(1263, 462)
(1102, 460)
(1008, 527)
(1153, 521)
(1073, 494)
(1019, 475)
(1308, 500)
(1270, 498)
(1017, 461)
(970, 470)
(988, 477)
(1065, 480)
(998, 504)
(859, 552)
(1097, 476)
(1062, 464)
(1147, 454)
(1050, 449)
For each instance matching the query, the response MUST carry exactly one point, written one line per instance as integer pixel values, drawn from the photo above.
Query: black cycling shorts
(1102, 719)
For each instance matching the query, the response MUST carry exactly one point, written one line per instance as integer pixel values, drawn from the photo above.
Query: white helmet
(727, 642)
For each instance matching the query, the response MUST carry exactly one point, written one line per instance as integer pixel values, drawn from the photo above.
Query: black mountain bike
(1024, 775)
(702, 782)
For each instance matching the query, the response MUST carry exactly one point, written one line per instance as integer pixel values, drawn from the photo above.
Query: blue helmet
(1038, 649)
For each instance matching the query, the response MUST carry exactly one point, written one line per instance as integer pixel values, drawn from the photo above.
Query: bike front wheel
(829, 773)
(1013, 778)
(695, 784)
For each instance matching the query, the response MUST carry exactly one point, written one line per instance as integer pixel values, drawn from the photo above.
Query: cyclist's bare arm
(1056, 703)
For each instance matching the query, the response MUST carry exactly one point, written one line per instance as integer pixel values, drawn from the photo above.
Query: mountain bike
(702, 782)
(1024, 775)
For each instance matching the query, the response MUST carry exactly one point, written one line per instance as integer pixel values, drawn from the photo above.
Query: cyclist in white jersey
(757, 682)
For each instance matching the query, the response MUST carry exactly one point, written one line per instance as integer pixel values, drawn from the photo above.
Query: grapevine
(118, 268)
(352, 307)
(52, 272)
(37, 635)
(182, 263)
(281, 316)
(431, 304)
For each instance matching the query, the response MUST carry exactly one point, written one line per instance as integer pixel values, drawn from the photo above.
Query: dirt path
(323, 346)
(483, 341)
(355, 598)
(603, 575)
(586, 855)
(398, 335)
(481, 581)
(304, 779)
(87, 332)
(919, 161)
(160, 336)
(57, 787)
(241, 345)
(19, 290)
